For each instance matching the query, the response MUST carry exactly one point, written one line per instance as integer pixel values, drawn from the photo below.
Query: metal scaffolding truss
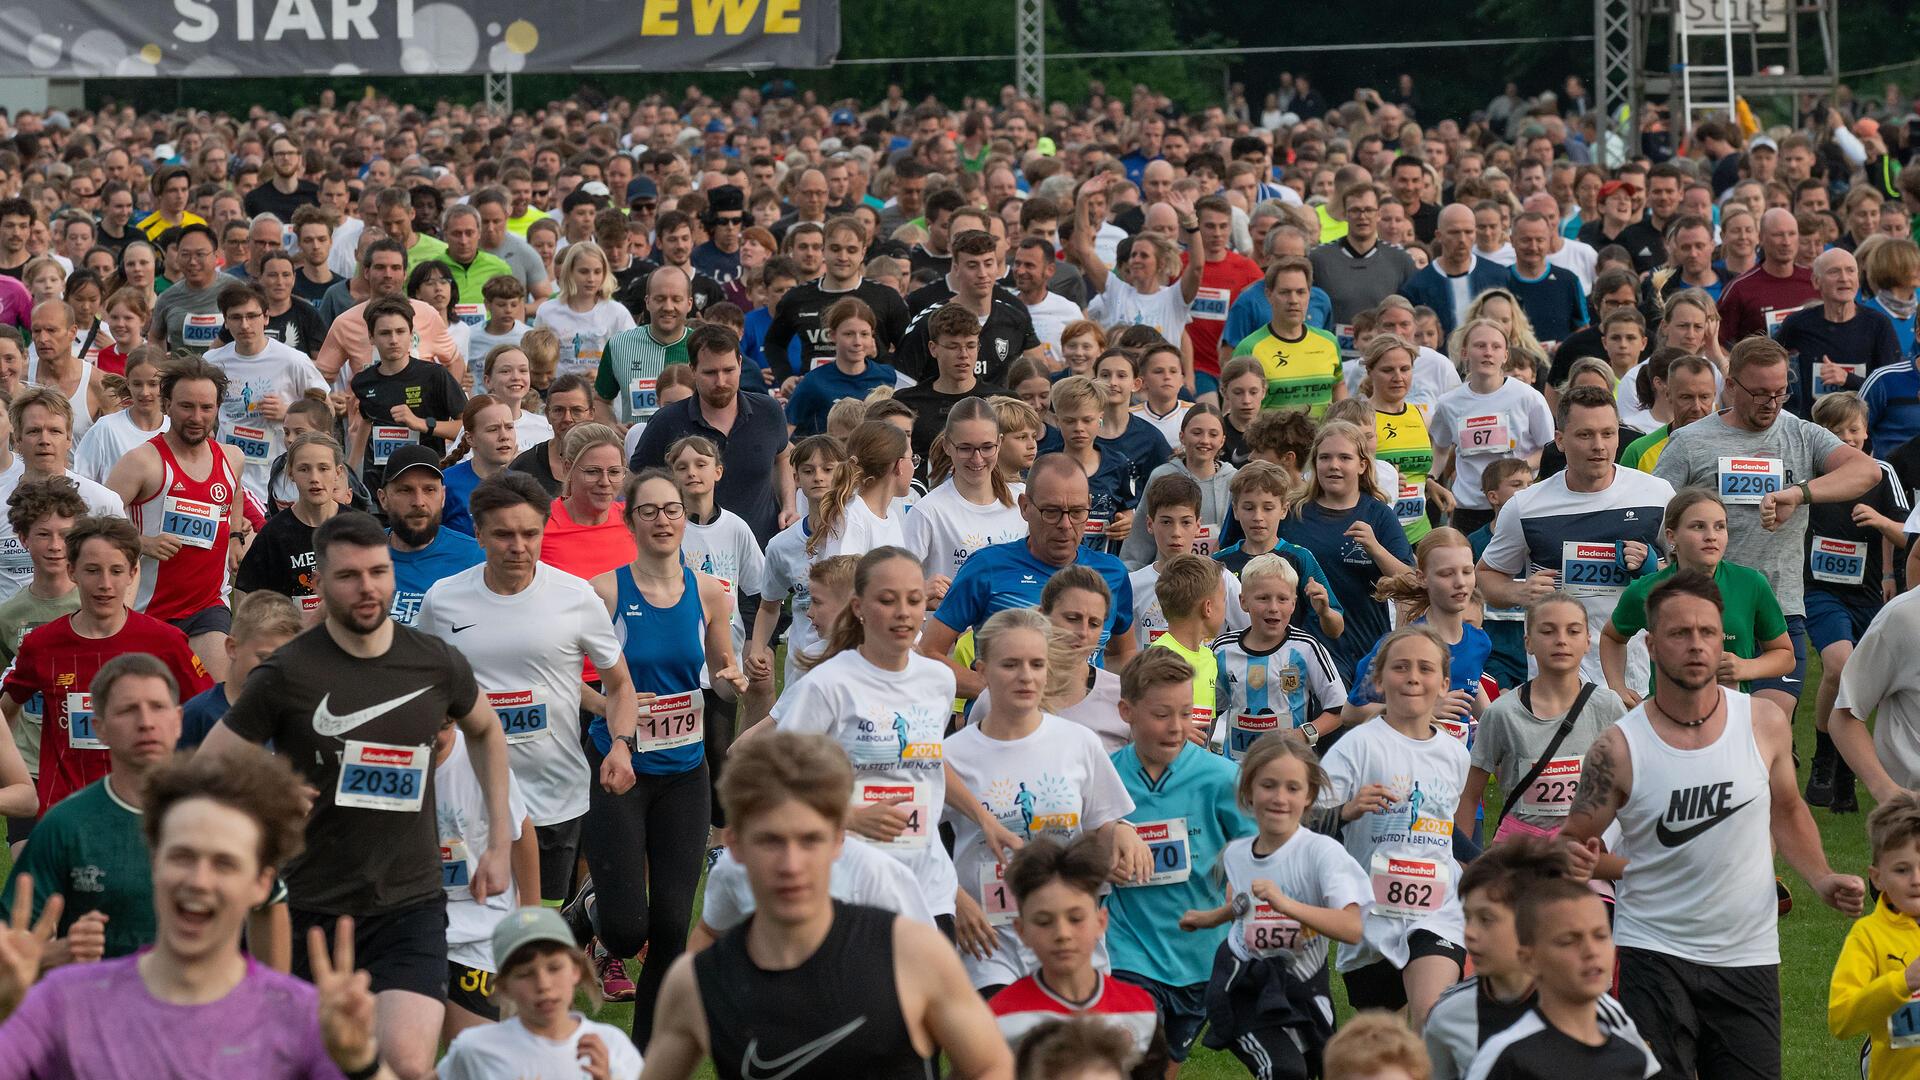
(1030, 43)
(499, 93)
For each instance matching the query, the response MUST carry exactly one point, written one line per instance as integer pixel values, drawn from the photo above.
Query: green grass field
(1810, 939)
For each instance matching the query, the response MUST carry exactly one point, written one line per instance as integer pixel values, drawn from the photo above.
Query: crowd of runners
(1052, 589)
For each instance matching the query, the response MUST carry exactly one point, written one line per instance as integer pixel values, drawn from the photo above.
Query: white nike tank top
(1696, 834)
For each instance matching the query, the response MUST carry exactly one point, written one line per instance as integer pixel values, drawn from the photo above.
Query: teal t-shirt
(89, 848)
(1143, 921)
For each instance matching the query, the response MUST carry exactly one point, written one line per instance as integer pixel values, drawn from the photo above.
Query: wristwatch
(1806, 491)
(1311, 733)
(633, 746)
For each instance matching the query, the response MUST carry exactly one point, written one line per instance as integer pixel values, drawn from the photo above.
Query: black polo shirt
(747, 452)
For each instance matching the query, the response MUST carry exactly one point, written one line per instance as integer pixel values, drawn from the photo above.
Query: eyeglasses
(1757, 395)
(1053, 515)
(982, 450)
(673, 511)
(729, 219)
(194, 253)
(611, 475)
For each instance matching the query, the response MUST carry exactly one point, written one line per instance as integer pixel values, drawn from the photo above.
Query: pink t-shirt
(16, 303)
(98, 1022)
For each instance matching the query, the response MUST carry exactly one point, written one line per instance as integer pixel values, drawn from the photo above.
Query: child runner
(1243, 389)
(1849, 576)
(1172, 509)
(1507, 666)
(1400, 432)
(1397, 782)
(1020, 432)
(1490, 416)
(857, 514)
(1161, 380)
(1757, 643)
(1289, 890)
(1436, 593)
(505, 298)
(972, 504)
(1260, 492)
(262, 622)
(40, 512)
(1359, 412)
(850, 374)
(1137, 439)
(1565, 938)
(1185, 811)
(1375, 1045)
(583, 316)
(1278, 677)
(281, 558)
(541, 971)
(1076, 403)
(814, 462)
(1057, 888)
(1036, 775)
(719, 544)
(1874, 983)
(1533, 742)
(1198, 459)
(1193, 593)
(1343, 510)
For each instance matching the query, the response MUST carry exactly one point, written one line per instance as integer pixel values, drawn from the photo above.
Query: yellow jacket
(1870, 983)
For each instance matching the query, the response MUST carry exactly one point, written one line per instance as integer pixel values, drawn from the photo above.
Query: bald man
(55, 365)
(1568, 254)
(1836, 343)
(1757, 301)
(1456, 275)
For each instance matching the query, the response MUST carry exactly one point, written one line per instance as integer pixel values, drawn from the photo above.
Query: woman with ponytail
(1438, 593)
(856, 514)
(971, 508)
(887, 706)
(488, 444)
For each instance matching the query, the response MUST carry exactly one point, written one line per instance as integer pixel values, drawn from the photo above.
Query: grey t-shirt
(1512, 738)
(522, 260)
(190, 316)
(1692, 459)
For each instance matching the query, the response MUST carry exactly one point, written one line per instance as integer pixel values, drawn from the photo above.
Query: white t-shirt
(861, 530)
(277, 369)
(1150, 622)
(508, 1049)
(109, 439)
(1056, 782)
(532, 429)
(479, 343)
(1433, 376)
(1168, 425)
(1409, 843)
(583, 334)
(786, 575)
(1123, 305)
(16, 566)
(1638, 414)
(944, 529)
(526, 650)
(1309, 867)
(460, 811)
(1050, 316)
(726, 549)
(1098, 712)
(861, 875)
(890, 723)
(1511, 422)
(1578, 258)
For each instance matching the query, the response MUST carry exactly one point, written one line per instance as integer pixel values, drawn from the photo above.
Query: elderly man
(1836, 344)
(1757, 301)
(472, 267)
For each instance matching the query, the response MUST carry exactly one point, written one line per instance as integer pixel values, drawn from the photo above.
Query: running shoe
(614, 983)
(578, 913)
(1820, 777)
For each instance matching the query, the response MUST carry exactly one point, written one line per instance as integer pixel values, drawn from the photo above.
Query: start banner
(229, 38)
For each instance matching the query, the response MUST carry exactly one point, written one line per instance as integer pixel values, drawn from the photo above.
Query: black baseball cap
(411, 456)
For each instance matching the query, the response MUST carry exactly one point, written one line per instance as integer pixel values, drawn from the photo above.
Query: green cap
(527, 926)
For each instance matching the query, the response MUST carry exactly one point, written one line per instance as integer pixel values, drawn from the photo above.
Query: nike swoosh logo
(329, 723)
(1676, 837)
(752, 1068)
(469, 626)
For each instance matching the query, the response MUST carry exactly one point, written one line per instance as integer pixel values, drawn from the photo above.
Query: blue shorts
(1204, 383)
(1831, 620)
(1183, 1010)
(1791, 682)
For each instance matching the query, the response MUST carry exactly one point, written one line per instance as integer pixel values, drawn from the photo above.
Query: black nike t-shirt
(360, 731)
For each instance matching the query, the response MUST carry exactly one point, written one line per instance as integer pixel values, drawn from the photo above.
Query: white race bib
(456, 869)
(1167, 841)
(1837, 562)
(1551, 793)
(1592, 569)
(387, 439)
(80, 730)
(192, 522)
(914, 836)
(1407, 886)
(669, 722)
(201, 331)
(643, 397)
(1269, 933)
(1485, 435)
(522, 713)
(254, 442)
(1246, 729)
(471, 314)
(996, 900)
(377, 776)
(1744, 481)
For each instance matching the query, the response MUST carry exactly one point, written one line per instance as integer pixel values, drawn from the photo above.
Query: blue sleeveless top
(665, 650)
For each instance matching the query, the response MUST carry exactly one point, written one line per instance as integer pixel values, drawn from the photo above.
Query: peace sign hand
(23, 941)
(346, 999)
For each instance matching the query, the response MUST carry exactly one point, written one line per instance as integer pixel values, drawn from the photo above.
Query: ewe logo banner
(215, 38)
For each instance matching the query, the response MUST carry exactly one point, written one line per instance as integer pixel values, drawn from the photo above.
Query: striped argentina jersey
(1467, 1014)
(1273, 690)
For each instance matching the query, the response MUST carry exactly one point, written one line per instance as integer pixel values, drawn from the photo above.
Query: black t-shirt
(428, 389)
(1008, 333)
(1641, 240)
(318, 705)
(633, 292)
(310, 290)
(1845, 546)
(921, 259)
(937, 292)
(930, 409)
(267, 199)
(533, 461)
(280, 559)
(1533, 1049)
(803, 311)
(298, 327)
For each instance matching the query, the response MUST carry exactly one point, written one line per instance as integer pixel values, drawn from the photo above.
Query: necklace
(1715, 707)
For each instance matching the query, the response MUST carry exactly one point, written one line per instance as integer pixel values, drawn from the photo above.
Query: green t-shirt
(630, 369)
(20, 615)
(90, 850)
(1752, 613)
(1646, 447)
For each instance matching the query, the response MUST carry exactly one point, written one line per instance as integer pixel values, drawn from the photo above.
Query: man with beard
(184, 491)
(412, 498)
